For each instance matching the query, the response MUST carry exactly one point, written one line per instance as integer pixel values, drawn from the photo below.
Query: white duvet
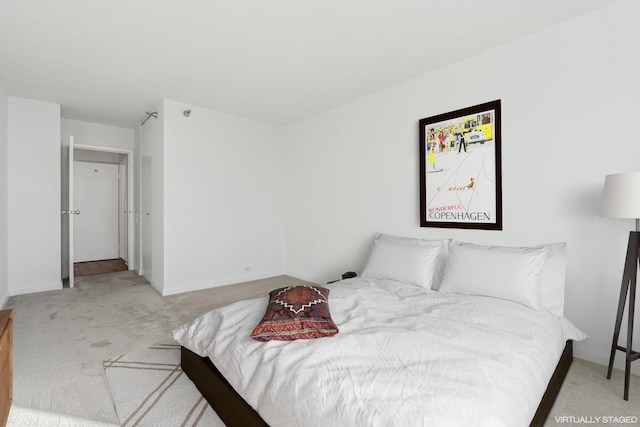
(404, 356)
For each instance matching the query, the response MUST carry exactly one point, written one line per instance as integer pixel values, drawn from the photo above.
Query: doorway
(97, 193)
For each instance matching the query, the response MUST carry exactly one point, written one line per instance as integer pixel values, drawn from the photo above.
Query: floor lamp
(621, 199)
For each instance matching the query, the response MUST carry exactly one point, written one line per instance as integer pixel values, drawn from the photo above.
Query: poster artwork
(460, 179)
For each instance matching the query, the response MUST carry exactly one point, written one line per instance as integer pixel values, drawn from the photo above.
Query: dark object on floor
(104, 266)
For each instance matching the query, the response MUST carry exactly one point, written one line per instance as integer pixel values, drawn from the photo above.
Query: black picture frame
(460, 168)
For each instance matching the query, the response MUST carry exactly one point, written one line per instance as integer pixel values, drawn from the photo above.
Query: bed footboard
(227, 403)
(234, 411)
(550, 395)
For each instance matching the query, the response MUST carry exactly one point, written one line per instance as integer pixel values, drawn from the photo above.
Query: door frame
(131, 262)
(123, 216)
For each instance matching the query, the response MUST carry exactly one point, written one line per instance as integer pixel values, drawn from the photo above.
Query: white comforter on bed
(404, 356)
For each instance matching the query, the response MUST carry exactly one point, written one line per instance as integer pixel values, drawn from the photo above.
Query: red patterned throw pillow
(296, 312)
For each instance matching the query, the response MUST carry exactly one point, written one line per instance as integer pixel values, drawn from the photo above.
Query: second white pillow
(512, 275)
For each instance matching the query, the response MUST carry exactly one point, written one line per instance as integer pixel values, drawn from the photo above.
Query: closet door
(96, 203)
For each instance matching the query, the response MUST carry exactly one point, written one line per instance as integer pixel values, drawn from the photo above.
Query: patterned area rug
(149, 389)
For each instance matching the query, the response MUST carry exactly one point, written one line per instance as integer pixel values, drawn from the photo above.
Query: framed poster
(460, 172)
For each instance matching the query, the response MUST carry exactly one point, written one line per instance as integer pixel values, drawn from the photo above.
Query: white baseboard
(36, 287)
(157, 286)
(4, 297)
(178, 288)
(591, 355)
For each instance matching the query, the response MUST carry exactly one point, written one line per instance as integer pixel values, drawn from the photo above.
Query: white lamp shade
(621, 196)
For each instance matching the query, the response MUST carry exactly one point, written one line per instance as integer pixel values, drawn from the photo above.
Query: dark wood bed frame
(234, 411)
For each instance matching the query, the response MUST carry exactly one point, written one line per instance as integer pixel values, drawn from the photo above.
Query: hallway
(90, 268)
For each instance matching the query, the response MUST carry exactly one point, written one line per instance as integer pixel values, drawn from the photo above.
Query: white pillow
(512, 274)
(441, 260)
(553, 274)
(406, 263)
(553, 278)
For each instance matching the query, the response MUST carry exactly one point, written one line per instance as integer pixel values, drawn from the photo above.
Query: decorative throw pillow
(296, 312)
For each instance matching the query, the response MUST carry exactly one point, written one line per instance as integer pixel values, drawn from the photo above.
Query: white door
(70, 213)
(95, 196)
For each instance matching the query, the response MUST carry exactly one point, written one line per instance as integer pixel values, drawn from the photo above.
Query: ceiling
(276, 61)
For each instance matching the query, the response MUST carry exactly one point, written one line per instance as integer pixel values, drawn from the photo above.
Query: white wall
(151, 218)
(570, 100)
(4, 249)
(223, 199)
(86, 133)
(33, 196)
(80, 155)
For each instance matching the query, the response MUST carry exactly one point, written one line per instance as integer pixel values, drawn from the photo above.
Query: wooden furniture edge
(6, 356)
(235, 411)
(555, 384)
(227, 403)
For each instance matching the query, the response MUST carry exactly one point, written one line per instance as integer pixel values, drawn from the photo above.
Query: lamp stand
(629, 277)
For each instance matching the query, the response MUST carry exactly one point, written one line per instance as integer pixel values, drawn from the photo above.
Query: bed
(407, 352)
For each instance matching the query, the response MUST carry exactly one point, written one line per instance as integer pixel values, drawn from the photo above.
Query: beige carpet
(62, 337)
(29, 417)
(587, 394)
